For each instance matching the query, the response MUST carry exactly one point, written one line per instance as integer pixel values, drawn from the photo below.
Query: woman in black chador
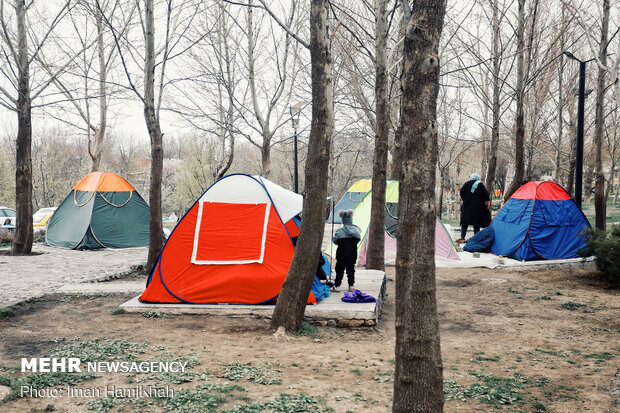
(475, 209)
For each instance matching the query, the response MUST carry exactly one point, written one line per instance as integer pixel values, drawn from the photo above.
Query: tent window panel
(229, 233)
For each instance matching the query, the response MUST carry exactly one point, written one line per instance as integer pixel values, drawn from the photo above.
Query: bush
(6, 236)
(39, 235)
(605, 246)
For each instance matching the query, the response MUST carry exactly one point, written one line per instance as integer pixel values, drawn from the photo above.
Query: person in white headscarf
(475, 209)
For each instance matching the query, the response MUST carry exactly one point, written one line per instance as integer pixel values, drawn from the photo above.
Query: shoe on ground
(460, 241)
(336, 288)
(351, 288)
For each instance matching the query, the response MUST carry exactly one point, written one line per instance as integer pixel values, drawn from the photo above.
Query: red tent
(233, 246)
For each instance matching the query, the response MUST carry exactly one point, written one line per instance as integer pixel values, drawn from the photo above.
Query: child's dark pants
(341, 266)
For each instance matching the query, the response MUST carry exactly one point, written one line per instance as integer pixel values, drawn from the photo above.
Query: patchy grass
(495, 391)
(118, 310)
(7, 312)
(192, 402)
(209, 398)
(356, 371)
(103, 349)
(307, 329)
(285, 403)
(482, 358)
(572, 306)
(246, 371)
(156, 314)
(599, 357)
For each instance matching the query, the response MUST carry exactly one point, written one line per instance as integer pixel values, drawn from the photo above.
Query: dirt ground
(538, 341)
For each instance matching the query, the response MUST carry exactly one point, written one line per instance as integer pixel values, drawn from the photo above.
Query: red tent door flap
(229, 233)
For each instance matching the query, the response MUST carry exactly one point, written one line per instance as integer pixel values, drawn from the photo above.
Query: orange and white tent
(233, 246)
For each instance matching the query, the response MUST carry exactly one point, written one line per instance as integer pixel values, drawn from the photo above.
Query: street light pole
(580, 127)
(295, 111)
(295, 121)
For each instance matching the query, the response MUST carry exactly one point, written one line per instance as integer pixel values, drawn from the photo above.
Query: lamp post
(295, 112)
(580, 116)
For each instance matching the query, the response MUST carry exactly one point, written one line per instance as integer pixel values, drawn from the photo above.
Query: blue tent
(540, 221)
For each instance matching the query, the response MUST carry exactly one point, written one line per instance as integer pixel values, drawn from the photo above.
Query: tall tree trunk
(95, 154)
(396, 150)
(418, 382)
(492, 166)
(519, 119)
(558, 153)
(442, 182)
(289, 310)
(599, 124)
(156, 239)
(265, 152)
(376, 229)
(22, 244)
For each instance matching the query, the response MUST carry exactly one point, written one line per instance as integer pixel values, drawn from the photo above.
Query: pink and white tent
(444, 247)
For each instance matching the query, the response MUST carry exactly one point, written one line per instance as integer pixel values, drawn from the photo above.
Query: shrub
(605, 246)
(39, 235)
(6, 236)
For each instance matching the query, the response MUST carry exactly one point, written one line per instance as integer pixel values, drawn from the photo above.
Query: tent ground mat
(371, 282)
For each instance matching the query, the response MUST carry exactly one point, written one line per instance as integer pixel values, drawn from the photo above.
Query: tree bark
(599, 124)
(442, 182)
(95, 154)
(492, 166)
(418, 382)
(289, 310)
(22, 244)
(396, 148)
(558, 153)
(519, 119)
(376, 230)
(265, 152)
(156, 240)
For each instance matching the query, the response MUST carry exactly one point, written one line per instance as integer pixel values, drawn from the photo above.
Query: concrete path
(24, 277)
(135, 287)
(329, 310)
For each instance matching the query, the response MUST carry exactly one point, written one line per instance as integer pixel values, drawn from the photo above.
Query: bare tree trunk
(558, 153)
(396, 150)
(376, 230)
(22, 243)
(228, 117)
(95, 154)
(519, 119)
(418, 382)
(156, 240)
(442, 181)
(599, 124)
(289, 310)
(265, 152)
(492, 166)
